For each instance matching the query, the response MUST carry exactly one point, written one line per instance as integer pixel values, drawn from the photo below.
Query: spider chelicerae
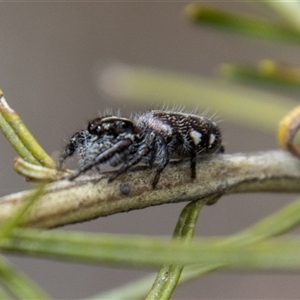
(152, 138)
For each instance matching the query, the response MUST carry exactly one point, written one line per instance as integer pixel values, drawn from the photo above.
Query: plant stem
(243, 24)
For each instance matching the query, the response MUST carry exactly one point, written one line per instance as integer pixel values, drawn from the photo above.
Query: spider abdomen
(184, 133)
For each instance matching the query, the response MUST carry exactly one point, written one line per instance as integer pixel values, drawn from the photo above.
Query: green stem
(264, 71)
(18, 284)
(27, 242)
(19, 132)
(35, 172)
(15, 141)
(4, 294)
(169, 275)
(16, 218)
(289, 10)
(243, 24)
(280, 254)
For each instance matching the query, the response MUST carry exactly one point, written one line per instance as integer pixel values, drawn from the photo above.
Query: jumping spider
(153, 138)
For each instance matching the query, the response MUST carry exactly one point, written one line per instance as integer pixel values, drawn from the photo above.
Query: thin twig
(90, 196)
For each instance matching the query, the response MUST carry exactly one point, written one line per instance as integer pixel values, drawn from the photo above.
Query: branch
(90, 196)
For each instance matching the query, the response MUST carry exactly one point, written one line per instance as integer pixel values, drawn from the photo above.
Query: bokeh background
(51, 54)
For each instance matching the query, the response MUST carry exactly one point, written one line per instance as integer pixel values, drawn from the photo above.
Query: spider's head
(79, 139)
(111, 125)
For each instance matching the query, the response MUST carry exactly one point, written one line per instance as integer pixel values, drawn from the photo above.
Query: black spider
(153, 138)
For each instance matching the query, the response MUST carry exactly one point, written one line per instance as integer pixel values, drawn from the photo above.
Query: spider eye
(95, 128)
(122, 126)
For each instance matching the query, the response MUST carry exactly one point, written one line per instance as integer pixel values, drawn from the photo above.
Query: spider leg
(142, 151)
(68, 152)
(221, 150)
(103, 156)
(193, 164)
(163, 155)
(77, 140)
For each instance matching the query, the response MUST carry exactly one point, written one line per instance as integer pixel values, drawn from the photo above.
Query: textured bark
(90, 196)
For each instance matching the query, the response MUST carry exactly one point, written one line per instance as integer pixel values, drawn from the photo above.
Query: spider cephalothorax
(109, 140)
(153, 138)
(112, 126)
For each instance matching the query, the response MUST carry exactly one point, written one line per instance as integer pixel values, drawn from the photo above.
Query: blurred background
(53, 58)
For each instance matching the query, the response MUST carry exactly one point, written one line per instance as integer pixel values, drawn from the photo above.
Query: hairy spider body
(109, 140)
(183, 133)
(153, 138)
(178, 135)
(79, 143)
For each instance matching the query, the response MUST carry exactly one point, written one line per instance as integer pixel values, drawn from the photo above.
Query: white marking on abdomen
(196, 136)
(212, 138)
